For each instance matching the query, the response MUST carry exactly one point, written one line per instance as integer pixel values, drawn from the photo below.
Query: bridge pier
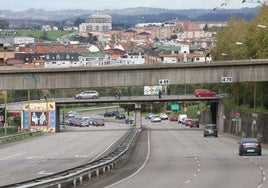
(138, 116)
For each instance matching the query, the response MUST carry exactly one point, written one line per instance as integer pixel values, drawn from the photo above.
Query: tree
(4, 24)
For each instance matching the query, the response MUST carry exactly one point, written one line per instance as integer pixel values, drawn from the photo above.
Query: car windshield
(249, 140)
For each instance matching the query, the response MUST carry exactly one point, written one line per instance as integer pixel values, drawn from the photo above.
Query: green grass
(38, 34)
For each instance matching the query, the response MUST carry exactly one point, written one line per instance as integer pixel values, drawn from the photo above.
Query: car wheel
(79, 97)
(205, 135)
(259, 153)
(198, 95)
(94, 97)
(240, 153)
(216, 135)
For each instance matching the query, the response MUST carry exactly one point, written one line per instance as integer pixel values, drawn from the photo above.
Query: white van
(182, 117)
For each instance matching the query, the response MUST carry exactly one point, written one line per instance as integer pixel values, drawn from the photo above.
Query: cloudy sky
(18, 5)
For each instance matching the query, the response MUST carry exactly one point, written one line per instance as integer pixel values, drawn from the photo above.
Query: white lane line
(11, 156)
(143, 165)
(45, 173)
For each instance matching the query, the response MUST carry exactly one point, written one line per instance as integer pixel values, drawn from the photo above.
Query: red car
(194, 123)
(98, 122)
(204, 93)
(187, 122)
(173, 118)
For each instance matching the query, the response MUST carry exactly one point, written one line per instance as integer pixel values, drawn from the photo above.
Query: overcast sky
(18, 5)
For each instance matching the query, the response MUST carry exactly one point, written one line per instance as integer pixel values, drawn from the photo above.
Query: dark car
(211, 130)
(249, 146)
(111, 114)
(120, 116)
(204, 93)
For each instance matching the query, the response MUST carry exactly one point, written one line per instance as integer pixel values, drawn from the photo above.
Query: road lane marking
(143, 165)
(11, 156)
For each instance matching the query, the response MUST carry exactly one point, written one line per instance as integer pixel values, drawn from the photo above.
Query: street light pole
(5, 123)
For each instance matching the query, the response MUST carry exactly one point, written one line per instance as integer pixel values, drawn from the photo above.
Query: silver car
(87, 95)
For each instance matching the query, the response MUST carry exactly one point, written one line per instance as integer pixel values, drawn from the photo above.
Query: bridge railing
(20, 136)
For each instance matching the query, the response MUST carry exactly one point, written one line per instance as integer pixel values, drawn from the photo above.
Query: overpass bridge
(136, 100)
(134, 75)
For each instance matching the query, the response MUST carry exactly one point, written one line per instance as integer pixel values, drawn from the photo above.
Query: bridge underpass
(138, 101)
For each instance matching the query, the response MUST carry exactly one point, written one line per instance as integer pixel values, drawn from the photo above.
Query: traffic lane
(166, 166)
(214, 165)
(136, 158)
(220, 163)
(53, 153)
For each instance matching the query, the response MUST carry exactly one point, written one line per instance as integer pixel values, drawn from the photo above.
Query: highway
(167, 154)
(180, 157)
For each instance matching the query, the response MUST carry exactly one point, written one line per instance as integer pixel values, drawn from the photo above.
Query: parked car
(187, 122)
(87, 95)
(173, 118)
(149, 115)
(86, 122)
(156, 118)
(77, 122)
(69, 121)
(98, 122)
(204, 93)
(249, 145)
(120, 116)
(182, 117)
(210, 130)
(194, 123)
(111, 114)
(164, 116)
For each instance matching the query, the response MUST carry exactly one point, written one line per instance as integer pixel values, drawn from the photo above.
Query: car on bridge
(204, 93)
(87, 95)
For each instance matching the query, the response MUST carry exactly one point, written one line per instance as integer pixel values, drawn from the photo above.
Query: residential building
(96, 22)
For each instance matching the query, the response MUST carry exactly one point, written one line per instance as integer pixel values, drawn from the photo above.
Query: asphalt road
(173, 156)
(167, 154)
(51, 153)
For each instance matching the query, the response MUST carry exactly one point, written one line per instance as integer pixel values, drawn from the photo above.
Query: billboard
(152, 90)
(40, 116)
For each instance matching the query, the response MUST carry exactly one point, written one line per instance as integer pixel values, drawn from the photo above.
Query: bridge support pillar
(138, 123)
(57, 119)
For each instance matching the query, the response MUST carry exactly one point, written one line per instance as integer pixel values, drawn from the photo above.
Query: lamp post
(5, 123)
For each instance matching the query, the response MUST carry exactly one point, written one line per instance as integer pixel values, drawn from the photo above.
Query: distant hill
(128, 16)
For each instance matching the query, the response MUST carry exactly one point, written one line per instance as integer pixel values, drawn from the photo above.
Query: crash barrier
(71, 177)
(19, 136)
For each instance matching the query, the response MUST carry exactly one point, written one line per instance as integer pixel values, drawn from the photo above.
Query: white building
(97, 22)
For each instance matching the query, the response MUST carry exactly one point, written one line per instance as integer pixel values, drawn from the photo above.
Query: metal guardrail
(10, 138)
(87, 171)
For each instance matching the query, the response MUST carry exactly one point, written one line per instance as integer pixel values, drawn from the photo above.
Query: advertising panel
(152, 90)
(40, 116)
